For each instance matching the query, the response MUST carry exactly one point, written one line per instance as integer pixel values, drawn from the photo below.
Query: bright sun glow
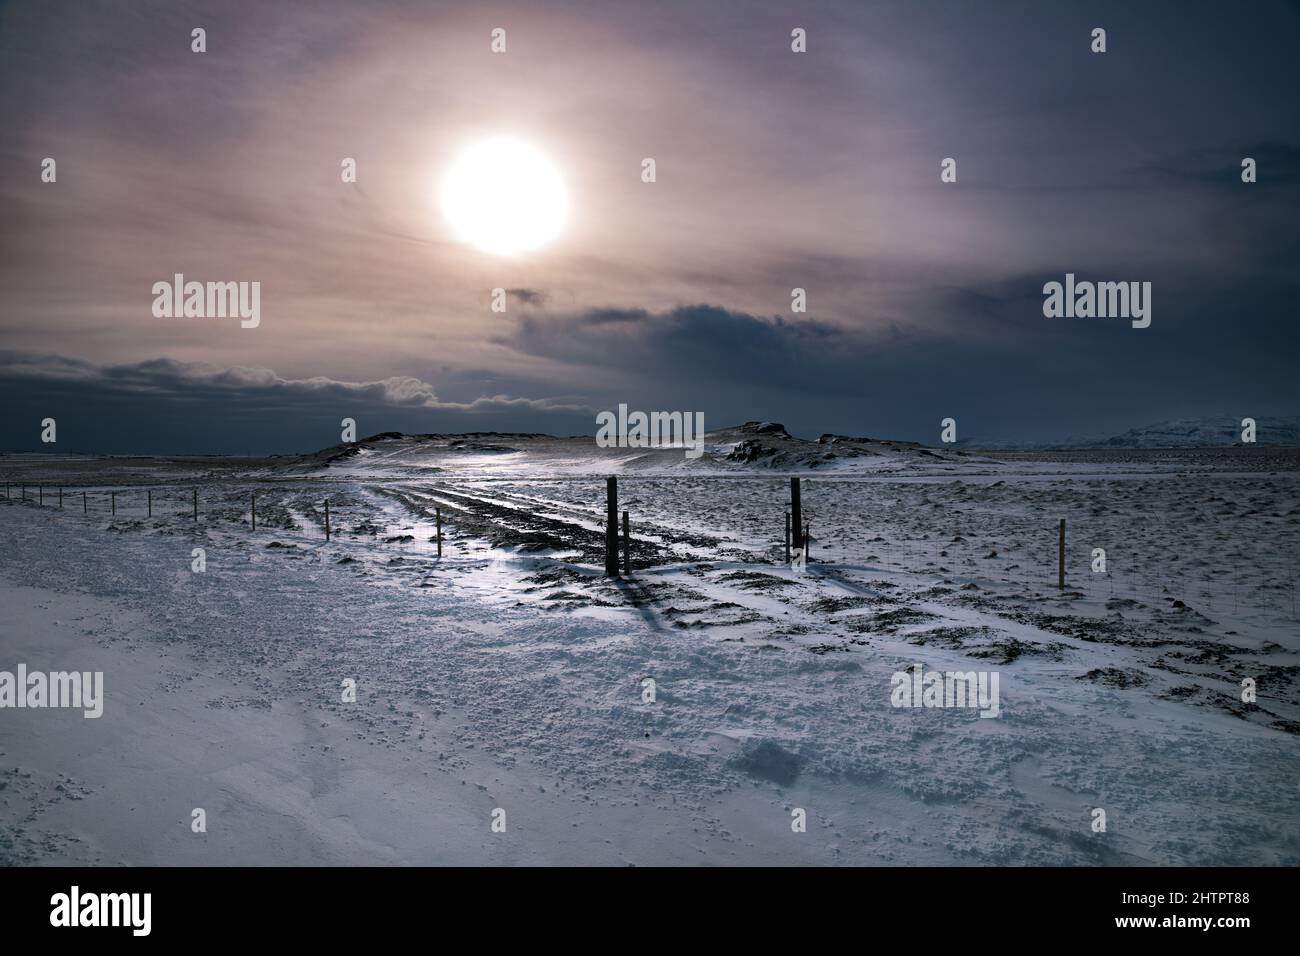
(504, 197)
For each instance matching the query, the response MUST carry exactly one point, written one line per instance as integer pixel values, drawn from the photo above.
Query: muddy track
(504, 526)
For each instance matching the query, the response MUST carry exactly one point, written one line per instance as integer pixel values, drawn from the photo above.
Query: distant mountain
(1213, 432)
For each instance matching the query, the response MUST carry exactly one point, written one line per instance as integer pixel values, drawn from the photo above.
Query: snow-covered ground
(509, 674)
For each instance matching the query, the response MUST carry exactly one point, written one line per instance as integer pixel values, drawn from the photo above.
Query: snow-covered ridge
(738, 449)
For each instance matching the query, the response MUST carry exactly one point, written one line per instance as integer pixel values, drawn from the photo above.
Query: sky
(775, 170)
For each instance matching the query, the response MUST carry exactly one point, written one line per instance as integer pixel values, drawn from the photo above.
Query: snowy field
(509, 673)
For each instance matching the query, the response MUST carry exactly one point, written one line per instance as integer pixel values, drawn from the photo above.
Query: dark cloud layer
(164, 406)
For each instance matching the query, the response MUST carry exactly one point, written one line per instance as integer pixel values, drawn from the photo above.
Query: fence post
(627, 547)
(40, 491)
(1060, 556)
(84, 509)
(437, 517)
(60, 497)
(327, 519)
(150, 511)
(114, 501)
(611, 527)
(253, 508)
(796, 506)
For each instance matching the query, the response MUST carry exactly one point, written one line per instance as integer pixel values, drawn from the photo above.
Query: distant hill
(1212, 432)
(737, 449)
(754, 445)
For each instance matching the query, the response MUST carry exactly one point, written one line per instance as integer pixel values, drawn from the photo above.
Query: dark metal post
(150, 494)
(84, 508)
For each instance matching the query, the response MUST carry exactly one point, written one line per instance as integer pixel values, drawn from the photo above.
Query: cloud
(247, 385)
(818, 171)
(163, 405)
(997, 363)
(528, 296)
(690, 340)
(1278, 164)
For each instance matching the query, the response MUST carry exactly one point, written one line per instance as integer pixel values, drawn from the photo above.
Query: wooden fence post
(1060, 556)
(327, 519)
(84, 508)
(627, 546)
(40, 491)
(114, 501)
(60, 497)
(796, 506)
(149, 513)
(611, 527)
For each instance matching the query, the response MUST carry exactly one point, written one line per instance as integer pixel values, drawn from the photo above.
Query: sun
(504, 197)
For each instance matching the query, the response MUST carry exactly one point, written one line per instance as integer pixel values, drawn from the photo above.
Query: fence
(1127, 574)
